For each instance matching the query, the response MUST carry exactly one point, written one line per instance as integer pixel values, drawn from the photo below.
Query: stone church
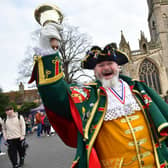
(150, 62)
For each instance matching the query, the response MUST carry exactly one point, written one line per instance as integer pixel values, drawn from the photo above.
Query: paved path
(44, 152)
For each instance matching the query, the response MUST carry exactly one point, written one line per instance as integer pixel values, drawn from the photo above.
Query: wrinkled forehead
(53, 40)
(106, 63)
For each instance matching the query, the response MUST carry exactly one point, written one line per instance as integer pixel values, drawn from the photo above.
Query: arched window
(165, 20)
(149, 73)
(144, 47)
(154, 31)
(153, 25)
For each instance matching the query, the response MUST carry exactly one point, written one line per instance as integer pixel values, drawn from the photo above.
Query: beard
(113, 82)
(107, 83)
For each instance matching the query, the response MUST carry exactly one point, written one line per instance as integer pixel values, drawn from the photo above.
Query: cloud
(102, 20)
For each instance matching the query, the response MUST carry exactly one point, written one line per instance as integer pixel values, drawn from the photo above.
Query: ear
(95, 70)
(95, 73)
(119, 68)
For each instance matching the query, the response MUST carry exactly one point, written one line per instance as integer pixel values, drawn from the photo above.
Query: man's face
(106, 70)
(54, 43)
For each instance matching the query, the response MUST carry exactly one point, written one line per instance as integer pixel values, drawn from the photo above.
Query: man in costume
(113, 122)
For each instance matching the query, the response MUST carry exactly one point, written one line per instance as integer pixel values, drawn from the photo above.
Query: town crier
(115, 121)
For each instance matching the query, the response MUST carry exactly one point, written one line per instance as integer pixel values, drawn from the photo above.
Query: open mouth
(107, 74)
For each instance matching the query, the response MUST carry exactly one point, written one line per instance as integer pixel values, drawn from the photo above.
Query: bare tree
(72, 48)
(26, 65)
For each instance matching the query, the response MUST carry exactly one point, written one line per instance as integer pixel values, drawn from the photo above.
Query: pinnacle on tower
(124, 45)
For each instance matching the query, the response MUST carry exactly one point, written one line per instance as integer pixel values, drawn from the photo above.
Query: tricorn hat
(110, 53)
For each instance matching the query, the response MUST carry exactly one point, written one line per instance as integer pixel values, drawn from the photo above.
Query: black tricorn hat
(110, 53)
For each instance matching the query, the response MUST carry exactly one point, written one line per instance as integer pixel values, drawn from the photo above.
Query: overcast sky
(103, 20)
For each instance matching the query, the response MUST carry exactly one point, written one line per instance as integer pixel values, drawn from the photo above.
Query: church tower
(149, 63)
(124, 45)
(21, 88)
(158, 26)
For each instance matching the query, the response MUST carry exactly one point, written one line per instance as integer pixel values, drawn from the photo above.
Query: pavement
(43, 152)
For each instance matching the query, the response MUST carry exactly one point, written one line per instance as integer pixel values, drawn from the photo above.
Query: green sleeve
(53, 90)
(162, 105)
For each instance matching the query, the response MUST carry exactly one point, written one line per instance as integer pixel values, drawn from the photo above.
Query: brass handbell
(50, 18)
(48, 13)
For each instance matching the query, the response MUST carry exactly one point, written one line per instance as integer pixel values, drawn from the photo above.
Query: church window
(149, 73)
(165, 20)
(144, 47)
(154, 31)
(153, 25)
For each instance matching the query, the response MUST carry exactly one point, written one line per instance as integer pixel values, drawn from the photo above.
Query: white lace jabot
(116, 108)
(44, 51)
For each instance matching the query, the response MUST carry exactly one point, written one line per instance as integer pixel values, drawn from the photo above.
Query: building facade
(22, 95)
(150, 62)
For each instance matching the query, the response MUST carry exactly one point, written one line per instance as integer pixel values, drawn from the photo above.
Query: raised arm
(53, 89)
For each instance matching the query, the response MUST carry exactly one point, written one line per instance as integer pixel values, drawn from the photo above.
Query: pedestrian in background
(38, 123)
(43, 130)
(28, 125)
(47, 126)
(14, 134)
(1, 136)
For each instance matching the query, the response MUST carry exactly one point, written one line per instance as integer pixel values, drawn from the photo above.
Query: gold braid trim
(162, 126)
(148, 124)
(75, 161)
(96, 131)
(42, 79)
(91, 116)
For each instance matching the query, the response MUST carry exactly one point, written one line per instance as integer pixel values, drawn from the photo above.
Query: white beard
(114, 82)
(107, 83)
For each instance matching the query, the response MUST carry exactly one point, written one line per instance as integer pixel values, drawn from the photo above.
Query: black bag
(0, 129)
(24, 144)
